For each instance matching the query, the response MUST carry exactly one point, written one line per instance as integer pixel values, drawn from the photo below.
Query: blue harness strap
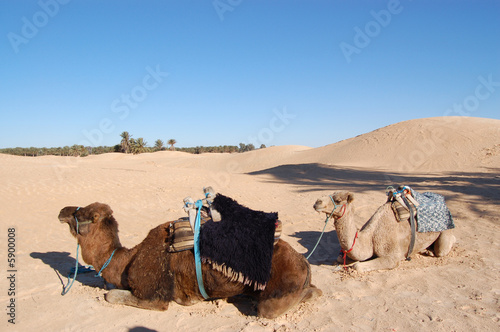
(197, 258)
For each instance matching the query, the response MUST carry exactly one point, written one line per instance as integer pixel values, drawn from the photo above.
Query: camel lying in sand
(149, 277)
(382, 236)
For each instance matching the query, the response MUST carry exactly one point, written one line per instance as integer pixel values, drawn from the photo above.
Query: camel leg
(125, 297)
(340, 259)
(379, 263)
(274, 307)
(444, 243)
(311, 293)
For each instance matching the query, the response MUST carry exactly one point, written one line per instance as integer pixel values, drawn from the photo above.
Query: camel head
(332, 204)
(92, 217)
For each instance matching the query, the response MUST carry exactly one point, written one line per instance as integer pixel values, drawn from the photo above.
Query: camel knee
(444, 243)
(119, 296)
(274, 307)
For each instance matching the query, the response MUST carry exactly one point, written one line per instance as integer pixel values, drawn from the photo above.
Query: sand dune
(428, 145)
(457, 157)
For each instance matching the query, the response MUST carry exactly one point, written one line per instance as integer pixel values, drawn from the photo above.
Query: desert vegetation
(128, 144)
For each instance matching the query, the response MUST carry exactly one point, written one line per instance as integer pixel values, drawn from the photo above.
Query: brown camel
(382, 236)
(149, 277)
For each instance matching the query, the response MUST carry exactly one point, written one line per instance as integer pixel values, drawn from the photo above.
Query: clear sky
(226, 72)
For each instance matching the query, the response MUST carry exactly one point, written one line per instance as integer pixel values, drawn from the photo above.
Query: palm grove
(128, 144)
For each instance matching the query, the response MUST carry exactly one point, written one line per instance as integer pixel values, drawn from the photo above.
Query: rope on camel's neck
(345, 252)
(70, 284)
(99, 274)
(85, 269)
(326, 222)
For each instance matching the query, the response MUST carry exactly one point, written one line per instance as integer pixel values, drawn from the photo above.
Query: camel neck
(111, 265)
(99, 255)
(346, 228)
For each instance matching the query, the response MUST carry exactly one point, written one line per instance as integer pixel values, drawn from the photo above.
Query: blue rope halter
(326, 223)
(69, 285)
(75, 269)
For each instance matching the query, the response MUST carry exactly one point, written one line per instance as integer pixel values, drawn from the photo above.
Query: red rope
(345, 208)
(345, 252)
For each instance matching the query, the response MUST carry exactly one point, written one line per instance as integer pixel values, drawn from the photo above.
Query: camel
(148, 276)
(382, 236)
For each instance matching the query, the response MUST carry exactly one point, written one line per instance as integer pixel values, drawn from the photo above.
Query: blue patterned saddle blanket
(432, 213)
(430, 209)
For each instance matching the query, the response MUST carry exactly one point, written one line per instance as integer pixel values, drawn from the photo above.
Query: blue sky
(226, 72)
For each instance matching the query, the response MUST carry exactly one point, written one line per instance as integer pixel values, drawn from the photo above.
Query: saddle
(239, 242)
(183, 236)
(405, 208)
(399, 206)
(182, 228)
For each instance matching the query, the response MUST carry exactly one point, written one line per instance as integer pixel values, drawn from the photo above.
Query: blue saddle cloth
(432, 213)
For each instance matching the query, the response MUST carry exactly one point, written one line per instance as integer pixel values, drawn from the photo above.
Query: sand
(456, 157)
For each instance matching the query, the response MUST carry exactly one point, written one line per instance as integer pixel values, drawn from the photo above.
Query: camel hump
(239, 241)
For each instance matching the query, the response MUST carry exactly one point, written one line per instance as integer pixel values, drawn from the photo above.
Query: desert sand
(457, 157)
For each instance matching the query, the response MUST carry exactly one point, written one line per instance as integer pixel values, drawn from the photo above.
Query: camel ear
(350, 197)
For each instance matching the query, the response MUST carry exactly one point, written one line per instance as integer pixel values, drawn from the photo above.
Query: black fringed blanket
(241, 244)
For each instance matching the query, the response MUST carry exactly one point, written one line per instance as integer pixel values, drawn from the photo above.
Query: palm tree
(140, 146)
(125, 143)
(159, 145)
(78, 151)
(133, 145)
(172, 142)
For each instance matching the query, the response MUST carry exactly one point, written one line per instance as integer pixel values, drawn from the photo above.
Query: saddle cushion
(401, 212)
(182, 235)
(241, 244)
(432, 213)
